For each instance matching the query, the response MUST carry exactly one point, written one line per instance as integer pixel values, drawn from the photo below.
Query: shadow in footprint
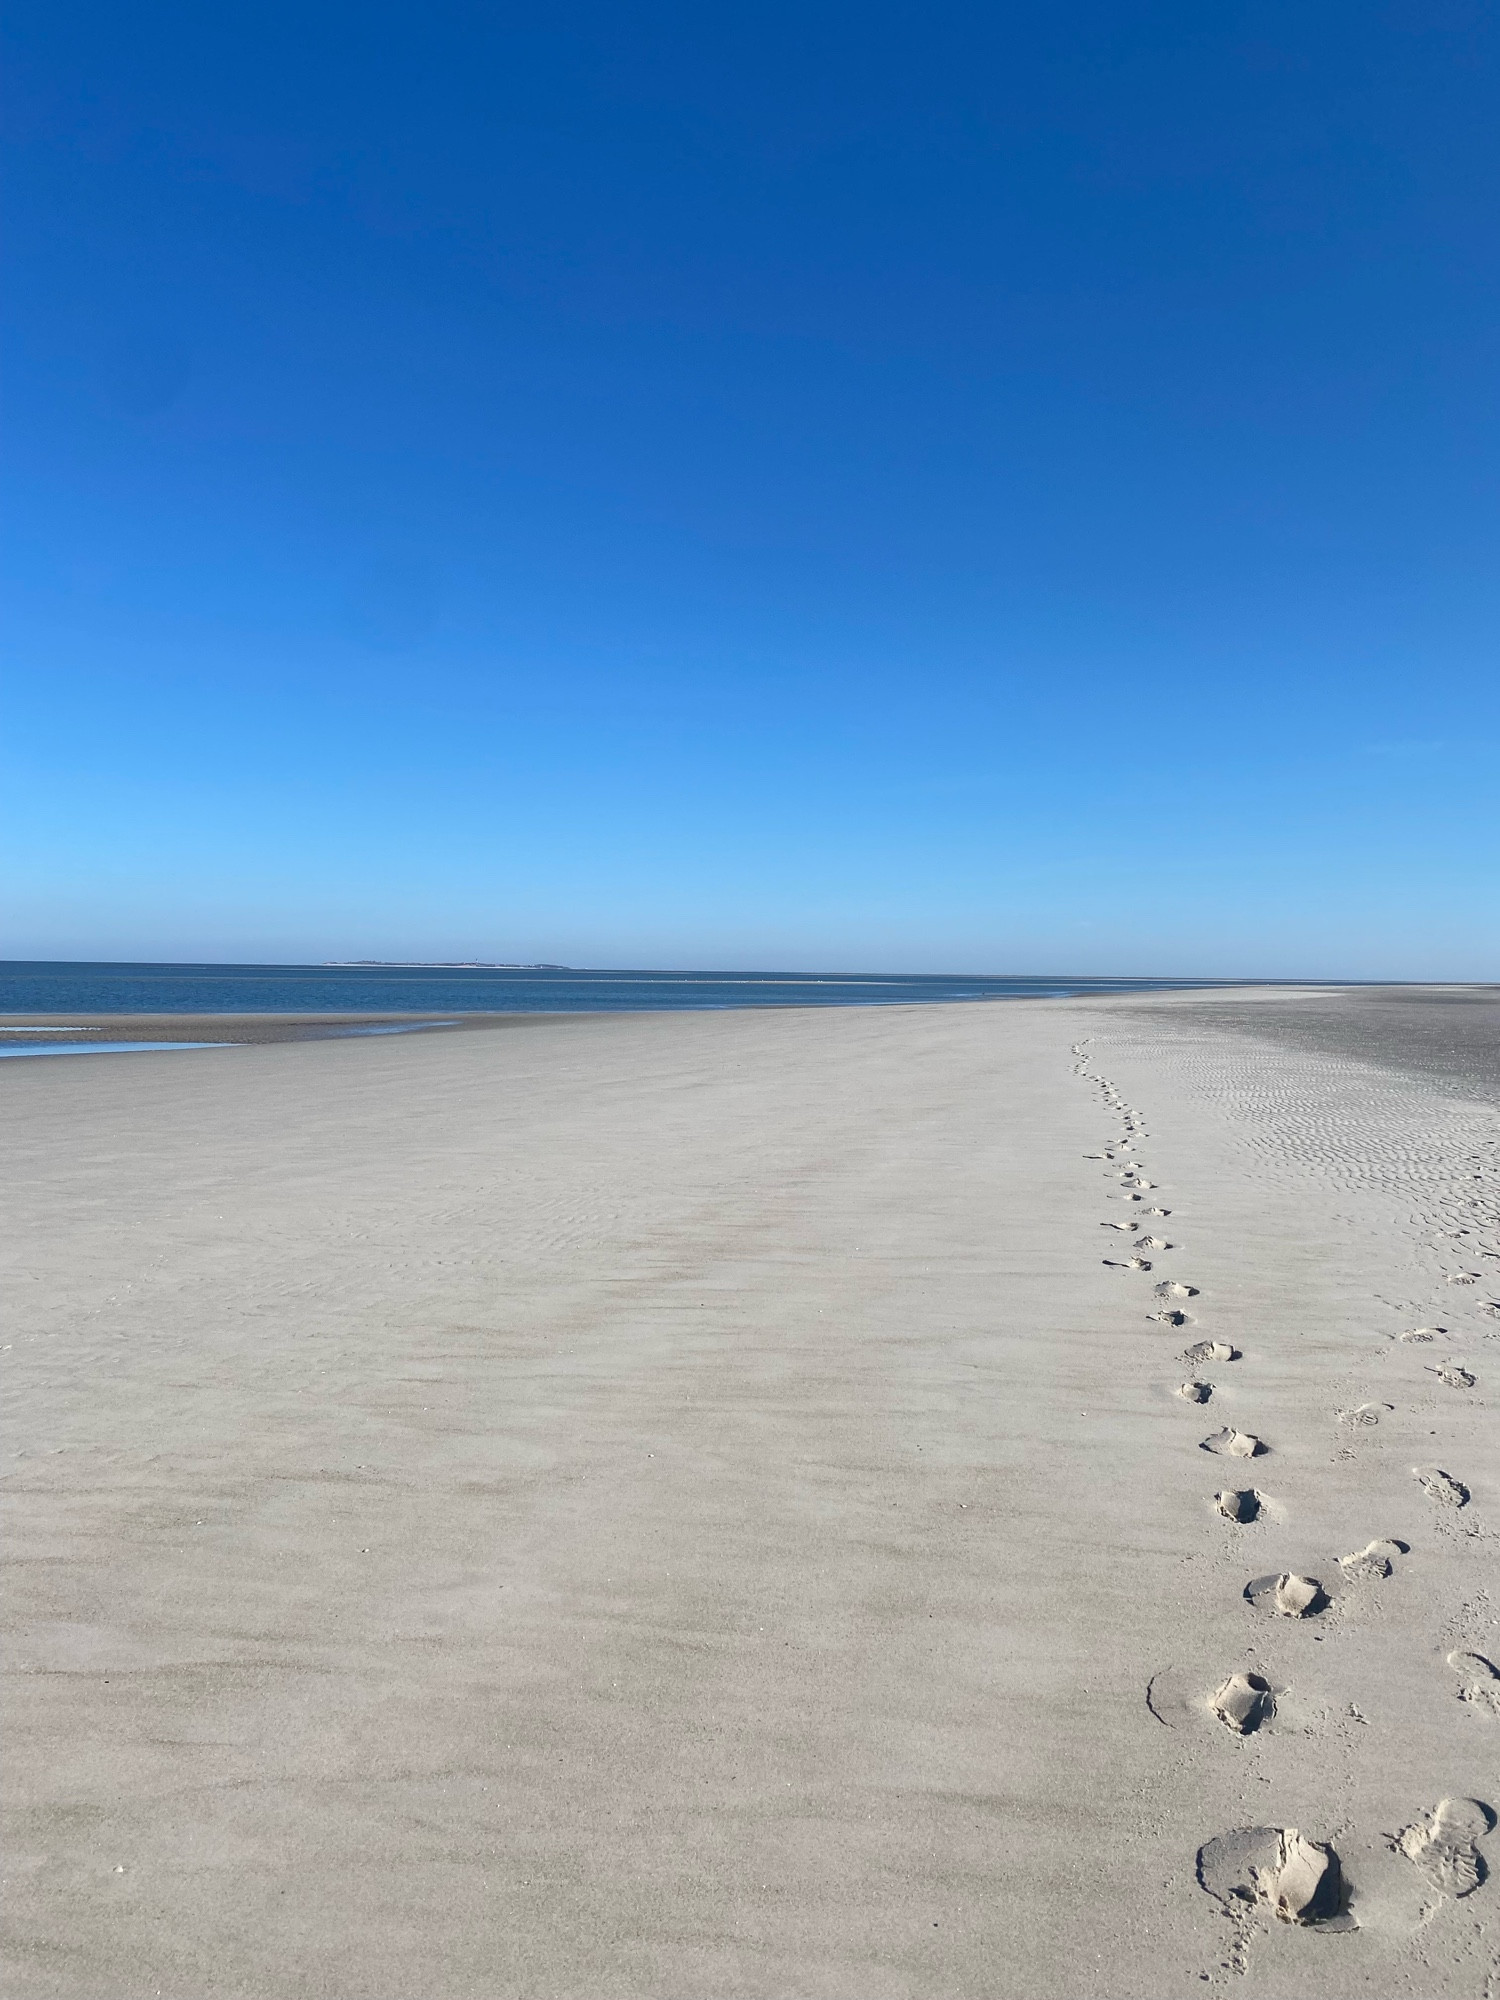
(1375, 1560)
(1278, 1869)
(1229, 1443)
(1441, 1486)
(1244, 1703)
(1287, 1595)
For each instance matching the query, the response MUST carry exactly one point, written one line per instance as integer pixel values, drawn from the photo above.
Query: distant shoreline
(441, 965)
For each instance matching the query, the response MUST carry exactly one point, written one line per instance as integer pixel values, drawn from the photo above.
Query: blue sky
(993, 488)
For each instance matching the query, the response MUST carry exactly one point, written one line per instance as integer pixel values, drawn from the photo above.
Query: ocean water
(34, 987)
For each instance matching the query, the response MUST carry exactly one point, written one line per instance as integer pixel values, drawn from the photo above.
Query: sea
(97, 1001)
(72, 992)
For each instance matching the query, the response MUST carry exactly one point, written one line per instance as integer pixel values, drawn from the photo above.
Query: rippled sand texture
(692, 1505)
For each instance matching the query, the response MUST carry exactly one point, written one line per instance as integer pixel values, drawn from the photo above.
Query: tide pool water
(105, 1048)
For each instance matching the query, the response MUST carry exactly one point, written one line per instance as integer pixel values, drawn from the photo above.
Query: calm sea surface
(41, 988)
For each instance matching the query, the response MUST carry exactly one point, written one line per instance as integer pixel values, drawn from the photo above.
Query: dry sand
(695, 1505)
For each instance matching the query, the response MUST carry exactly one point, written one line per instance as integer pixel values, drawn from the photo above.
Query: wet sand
(241, 1028)
(701, 1504)
(1448, 1036)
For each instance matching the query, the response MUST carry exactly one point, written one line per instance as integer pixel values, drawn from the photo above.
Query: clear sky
(992, 487)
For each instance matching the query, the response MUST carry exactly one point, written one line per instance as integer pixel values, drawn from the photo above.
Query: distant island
(442, 965)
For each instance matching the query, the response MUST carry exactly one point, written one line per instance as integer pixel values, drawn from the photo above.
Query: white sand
(680, 1505)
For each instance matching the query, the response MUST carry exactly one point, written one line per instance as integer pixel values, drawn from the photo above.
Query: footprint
(1211, 1350)
(1127, 1263)
(1233, 1444)
(1366, 1415)
(1278, 1868)
(1117, 1225)
(1444, 1844)
(1196, 1392)
(1287, 1596)
(1422, 1333)
(1481, 1680)
(1465, 1278)
(1374, 1560)
(1441, 1486)
(1153, 1243)
(1170, 1288)
(1170, 1317)
(1244, 1703)
(1242, 1504)
(1453, 1374)
(1158, 1211)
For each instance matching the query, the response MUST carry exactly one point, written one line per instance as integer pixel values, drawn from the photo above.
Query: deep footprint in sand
(1241, 1504)
(1481, 1681)
(1453, 1374)
(1444, 1844)
(1244, 1703)
(1279, 1869)
(1169, 1316)
(1376, 1559)
(1210, 1350)
(1466, 1278)
(1117, 1225)
(1195, 1392)
(1173, 1288)
(1233, 1444)
(1153, 1243)
(1127, 1263)
(1441, 1486)
(1287, 1595)
(1420, 1335)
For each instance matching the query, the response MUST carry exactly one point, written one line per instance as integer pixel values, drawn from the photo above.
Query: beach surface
(705, 1504)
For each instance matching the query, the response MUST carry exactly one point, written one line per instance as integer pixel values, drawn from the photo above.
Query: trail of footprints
(1280, 1870)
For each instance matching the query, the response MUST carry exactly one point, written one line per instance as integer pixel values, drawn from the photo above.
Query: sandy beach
(725, 1504)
